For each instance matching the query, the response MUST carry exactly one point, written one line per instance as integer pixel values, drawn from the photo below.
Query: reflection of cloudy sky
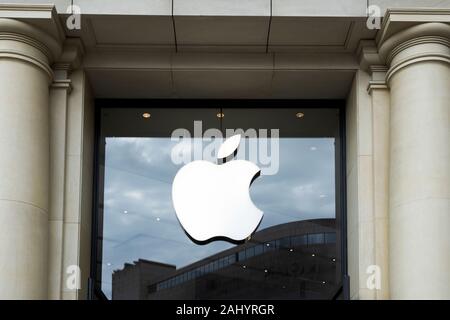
(139, 220)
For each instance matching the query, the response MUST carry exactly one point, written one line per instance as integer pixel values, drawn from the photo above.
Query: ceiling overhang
(216, 49)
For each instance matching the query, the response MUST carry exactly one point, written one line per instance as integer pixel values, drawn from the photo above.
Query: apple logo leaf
(229, 147)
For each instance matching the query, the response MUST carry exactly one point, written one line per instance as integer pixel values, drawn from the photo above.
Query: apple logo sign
(212, 201)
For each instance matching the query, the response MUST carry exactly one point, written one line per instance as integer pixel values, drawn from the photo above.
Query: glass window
(241, 255)
(298, 151)
(299, 241)
(259, 249)
(330, 237)
(250, 252)
(285, 243)
(315, 238)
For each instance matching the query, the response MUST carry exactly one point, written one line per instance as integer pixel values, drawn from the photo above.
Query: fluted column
(25, 75)
(419, 182)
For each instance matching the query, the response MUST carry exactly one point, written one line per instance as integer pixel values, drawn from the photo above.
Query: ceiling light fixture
(220, 115)
(300, 115)
(146, 115)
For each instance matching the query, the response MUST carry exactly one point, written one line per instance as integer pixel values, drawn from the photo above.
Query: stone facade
(395, 80)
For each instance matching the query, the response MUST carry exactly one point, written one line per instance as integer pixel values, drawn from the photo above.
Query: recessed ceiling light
(299, 115)
(158, 219)
(220, 115)
(334, 259)
(108, 264)
(244, 266)
(268, 244)
(265, 270)
(291, 250)
(313, 148)
(146, 115)
(125, 211)
(313, 255)
(323, 282)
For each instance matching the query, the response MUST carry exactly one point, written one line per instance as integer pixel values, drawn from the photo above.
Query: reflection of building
(132, 281)
(295, 260)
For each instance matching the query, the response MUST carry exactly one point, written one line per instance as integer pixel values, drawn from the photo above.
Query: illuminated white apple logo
(212, 202)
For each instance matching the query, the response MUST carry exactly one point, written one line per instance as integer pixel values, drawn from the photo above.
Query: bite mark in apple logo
(212, 201)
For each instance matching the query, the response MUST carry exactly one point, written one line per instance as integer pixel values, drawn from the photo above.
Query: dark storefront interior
(298, 251)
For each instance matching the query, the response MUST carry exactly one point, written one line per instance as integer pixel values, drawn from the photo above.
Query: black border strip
(343, 200)
(218, 103)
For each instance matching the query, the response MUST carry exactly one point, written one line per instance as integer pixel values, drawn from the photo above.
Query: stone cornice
(19, 10)
(399, 19)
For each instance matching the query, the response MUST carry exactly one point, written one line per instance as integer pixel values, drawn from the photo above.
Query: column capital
(32, 34)
(370, 61)
(407, 36)
(378, 78)
(71, 56)
(368, 55)
(70, 59)
(412, 36)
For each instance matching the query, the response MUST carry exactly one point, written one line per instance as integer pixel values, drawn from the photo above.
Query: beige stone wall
(360, 213)
(79, 180)
(398, 150)
(367, 120)
(71, 186)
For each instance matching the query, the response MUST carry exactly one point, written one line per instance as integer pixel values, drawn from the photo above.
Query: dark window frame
(94, 289)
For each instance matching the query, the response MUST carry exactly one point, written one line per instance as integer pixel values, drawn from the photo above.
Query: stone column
(419, 211)
(25, 75)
